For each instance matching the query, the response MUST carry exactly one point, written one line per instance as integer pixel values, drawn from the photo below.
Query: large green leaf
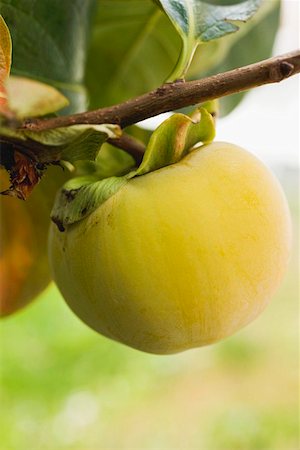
(197, 21)
(49, 42)
(134, 48)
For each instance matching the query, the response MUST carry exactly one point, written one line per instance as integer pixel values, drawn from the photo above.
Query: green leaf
(74, 143)
(78, 142)
(29, 98)
(169, 143)
(254, 46)
(211, 54)
(197, 21)
(11, 133)
(66, 135)
(133, 49)
(49, 42)
(254, 42)
(88, 142)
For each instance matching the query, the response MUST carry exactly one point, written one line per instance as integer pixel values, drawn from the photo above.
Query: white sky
(267, 121)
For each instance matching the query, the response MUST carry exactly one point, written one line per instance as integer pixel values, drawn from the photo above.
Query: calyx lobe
(169, 143)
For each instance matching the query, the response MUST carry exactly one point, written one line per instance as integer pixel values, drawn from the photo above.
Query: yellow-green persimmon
(180, 257)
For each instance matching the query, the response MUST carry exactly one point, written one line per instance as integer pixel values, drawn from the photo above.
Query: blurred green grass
(65, 387)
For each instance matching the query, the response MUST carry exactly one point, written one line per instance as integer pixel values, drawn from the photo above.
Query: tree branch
(172, 96)
(131, 145)
(44, 153)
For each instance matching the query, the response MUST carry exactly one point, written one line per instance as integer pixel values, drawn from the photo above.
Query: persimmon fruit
(180, 257)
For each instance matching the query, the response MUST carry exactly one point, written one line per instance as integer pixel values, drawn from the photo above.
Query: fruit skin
(181, 257)
(24, 267)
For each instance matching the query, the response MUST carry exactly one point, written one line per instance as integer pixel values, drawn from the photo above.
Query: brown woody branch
(41, 153)
(172, 96)
(131, 145)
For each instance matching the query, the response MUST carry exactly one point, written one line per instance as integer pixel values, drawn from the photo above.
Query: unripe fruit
(181, 257)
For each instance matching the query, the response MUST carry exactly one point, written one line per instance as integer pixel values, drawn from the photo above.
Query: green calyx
(168, 144)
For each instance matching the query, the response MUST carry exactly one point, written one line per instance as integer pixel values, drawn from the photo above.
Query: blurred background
(65, 387)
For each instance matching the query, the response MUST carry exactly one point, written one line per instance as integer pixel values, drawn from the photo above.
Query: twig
(131, 145)
(172, 96)
(44, 153)
(34, 150)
